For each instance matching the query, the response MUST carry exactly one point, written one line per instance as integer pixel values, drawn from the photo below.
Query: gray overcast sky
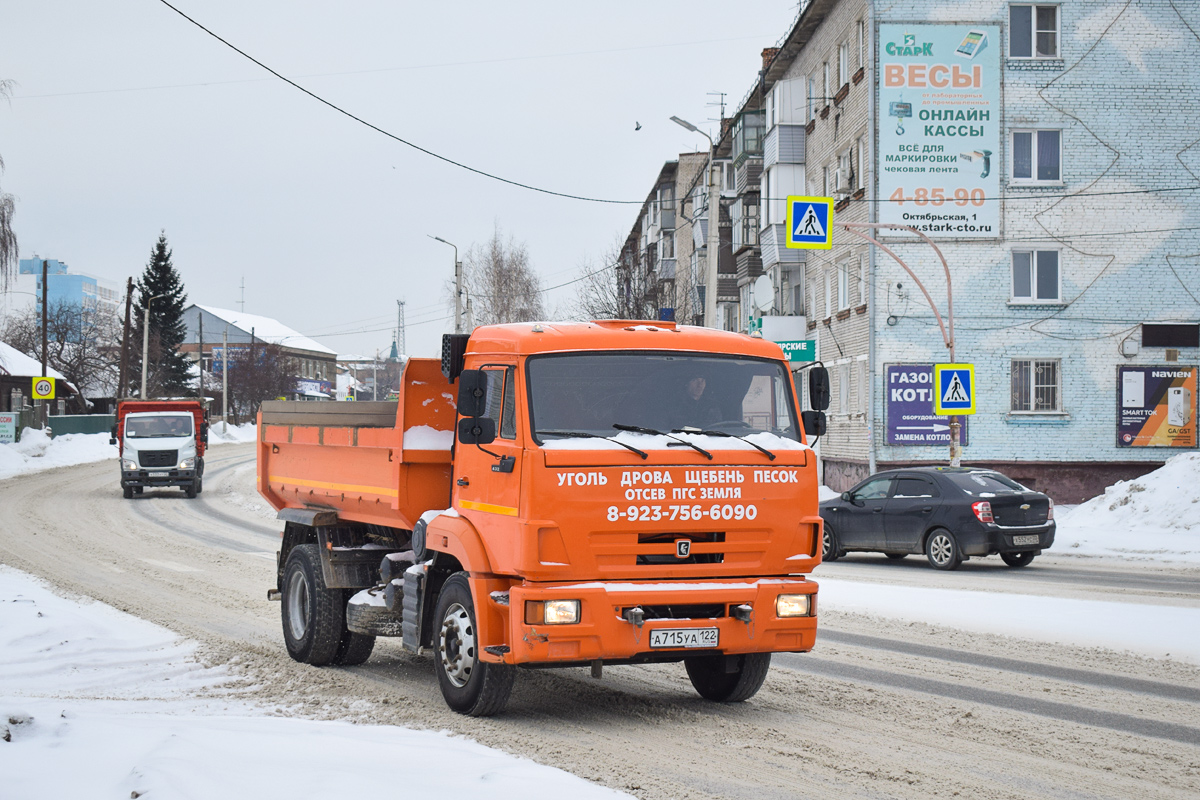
(127, 119)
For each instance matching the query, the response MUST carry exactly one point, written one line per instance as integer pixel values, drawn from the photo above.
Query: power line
(388, 134)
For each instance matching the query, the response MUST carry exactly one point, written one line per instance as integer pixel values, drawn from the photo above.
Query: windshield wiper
(586, 435)
(652, 432)
(762, 450)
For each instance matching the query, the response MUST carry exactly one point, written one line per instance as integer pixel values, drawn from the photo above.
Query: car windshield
(592, 392)
(984, 483)
(158, 427)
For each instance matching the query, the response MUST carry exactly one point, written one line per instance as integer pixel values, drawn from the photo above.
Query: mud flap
(413, 613)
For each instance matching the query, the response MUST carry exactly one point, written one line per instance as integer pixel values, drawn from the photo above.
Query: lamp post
(458, 290)
(146, 340)
(714, 226)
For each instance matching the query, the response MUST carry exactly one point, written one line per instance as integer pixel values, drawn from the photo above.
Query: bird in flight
(637, 126)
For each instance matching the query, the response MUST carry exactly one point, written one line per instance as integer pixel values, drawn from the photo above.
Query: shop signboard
(939, 128)
(8, 427)
(908, 395)
(1156, 406)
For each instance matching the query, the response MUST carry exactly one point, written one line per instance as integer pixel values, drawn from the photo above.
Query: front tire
(1018, 559)
(127, 492)
(710, 676)
(190, 490)
(941, 548)
(470, 686)
(829, 544)
(313, 616)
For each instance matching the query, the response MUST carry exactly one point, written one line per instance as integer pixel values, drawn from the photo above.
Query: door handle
(878, 509)
(927, 509)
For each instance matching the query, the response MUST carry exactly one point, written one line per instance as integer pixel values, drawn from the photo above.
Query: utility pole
(375, 376)
(458, 287)
(123, 372)
(713, 257)
(45, 415)
(242, 302)
(225, 381)
(400, 347)
(200, 360)
(146, 342)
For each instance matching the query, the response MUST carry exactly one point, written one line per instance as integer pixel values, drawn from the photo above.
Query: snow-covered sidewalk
(96, 703)
(36, 451)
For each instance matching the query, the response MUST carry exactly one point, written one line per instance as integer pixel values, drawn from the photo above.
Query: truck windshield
(591, 392)
(150, 427)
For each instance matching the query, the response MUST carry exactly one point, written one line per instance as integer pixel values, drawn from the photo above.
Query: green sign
(802, 350)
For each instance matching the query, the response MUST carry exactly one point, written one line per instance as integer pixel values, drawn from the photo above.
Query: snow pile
(234, 434)
(96, 703)
(1156, 516)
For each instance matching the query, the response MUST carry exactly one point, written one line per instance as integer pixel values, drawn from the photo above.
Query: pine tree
(167, 374)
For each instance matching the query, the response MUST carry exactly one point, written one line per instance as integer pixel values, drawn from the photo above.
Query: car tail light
(983, 511)
(1050, 510)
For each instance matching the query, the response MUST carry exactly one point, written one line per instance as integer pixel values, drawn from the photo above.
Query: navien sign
(937, 76)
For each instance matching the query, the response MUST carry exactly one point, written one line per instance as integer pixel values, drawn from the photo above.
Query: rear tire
(829, 544)
(708, 674)
(1018, 559)
(941, 548)
(470, 686)
(313, 616)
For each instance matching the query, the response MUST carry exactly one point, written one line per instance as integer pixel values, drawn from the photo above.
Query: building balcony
(773, 241)
(784, 144)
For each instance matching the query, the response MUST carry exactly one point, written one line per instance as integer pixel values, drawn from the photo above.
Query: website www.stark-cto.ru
(944, 223)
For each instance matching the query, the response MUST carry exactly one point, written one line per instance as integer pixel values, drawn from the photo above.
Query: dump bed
(384, 463)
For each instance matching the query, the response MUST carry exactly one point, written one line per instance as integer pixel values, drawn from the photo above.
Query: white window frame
(845, 385)
(862, 278)
(1034, 254)
(843, 65)
(843, 285)
(810, 84)
(1029, 402)
(862, 44)
(1033, 32)
(1033, 180)
(828, 293)
(864, 383)
(825, 95)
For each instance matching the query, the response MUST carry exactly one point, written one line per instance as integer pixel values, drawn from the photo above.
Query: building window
(828, 293)
(843, 372)
(864, 385)
(825, 85)
(1035, 276)
(843, 285)
(862, 279)
(1036, 386)
(843, 64)
(666, 245)
(1037, 156)
(1032, 31)
(812, 97)
(860, 179)
(862, 44)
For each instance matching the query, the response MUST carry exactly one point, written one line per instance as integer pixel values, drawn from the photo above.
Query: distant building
(79, 289)
(314, 365)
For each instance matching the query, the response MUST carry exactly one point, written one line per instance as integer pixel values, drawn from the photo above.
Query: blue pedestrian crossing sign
(953, 389)
(810, 223)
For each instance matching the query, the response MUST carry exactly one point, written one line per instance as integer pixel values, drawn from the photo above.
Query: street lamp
(458, 326)
(146, 340)
(714, 226)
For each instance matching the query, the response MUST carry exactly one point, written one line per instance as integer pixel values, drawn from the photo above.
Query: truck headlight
(551, 612)
(793, 605)
(128, 465)
(187, 463)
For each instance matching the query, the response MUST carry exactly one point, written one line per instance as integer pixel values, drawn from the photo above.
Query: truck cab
(161, 444)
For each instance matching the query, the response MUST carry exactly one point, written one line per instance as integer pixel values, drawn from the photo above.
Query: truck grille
(661, 539)
(693, 611)
(158, 458)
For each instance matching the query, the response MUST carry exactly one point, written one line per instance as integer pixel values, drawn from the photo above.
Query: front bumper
(157, 477)
(992, 539)
(603, 634)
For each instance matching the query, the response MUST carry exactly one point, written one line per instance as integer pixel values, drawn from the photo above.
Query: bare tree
(83, 344)
(257, 373)
(8, 206)
(500, 283)
(617, 288)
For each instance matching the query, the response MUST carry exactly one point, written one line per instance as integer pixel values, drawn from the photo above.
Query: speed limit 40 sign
(43, 388)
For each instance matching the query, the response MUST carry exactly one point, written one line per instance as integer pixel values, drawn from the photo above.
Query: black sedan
(947, 513)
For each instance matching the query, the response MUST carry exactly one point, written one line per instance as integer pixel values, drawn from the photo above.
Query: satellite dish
(763, 293)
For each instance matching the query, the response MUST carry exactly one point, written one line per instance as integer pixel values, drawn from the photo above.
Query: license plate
(1034, 539)
(683, 637)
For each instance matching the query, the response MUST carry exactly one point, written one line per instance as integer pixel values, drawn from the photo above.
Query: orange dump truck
(573, 494)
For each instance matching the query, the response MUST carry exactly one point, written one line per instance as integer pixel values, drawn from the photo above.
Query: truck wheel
(1018, 559)
(127, 492)
(313, 616)
(713, 681)
(199, 484)
(139, 489)
(941, 548)
(353, 649)
(470, 686)
(190, 489)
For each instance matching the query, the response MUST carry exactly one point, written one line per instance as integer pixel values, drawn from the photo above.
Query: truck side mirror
(204, 433)
(472, 393)
(818, 388)
(814, 422)
(476, 430)
(112, 436)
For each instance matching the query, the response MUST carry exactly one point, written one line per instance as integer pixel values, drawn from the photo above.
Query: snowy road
(882, 707)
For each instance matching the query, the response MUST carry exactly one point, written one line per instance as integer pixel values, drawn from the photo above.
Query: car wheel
(713, 679)
(1018, 559)
(896, 556)
(469, 686)
(941, 548)
(829, 544)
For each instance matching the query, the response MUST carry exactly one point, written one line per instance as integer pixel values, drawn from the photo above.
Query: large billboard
(939, 128)
(1156, 406)
(908, 408)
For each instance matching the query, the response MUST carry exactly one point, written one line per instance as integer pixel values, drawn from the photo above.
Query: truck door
(908, 512)
(493, 481)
